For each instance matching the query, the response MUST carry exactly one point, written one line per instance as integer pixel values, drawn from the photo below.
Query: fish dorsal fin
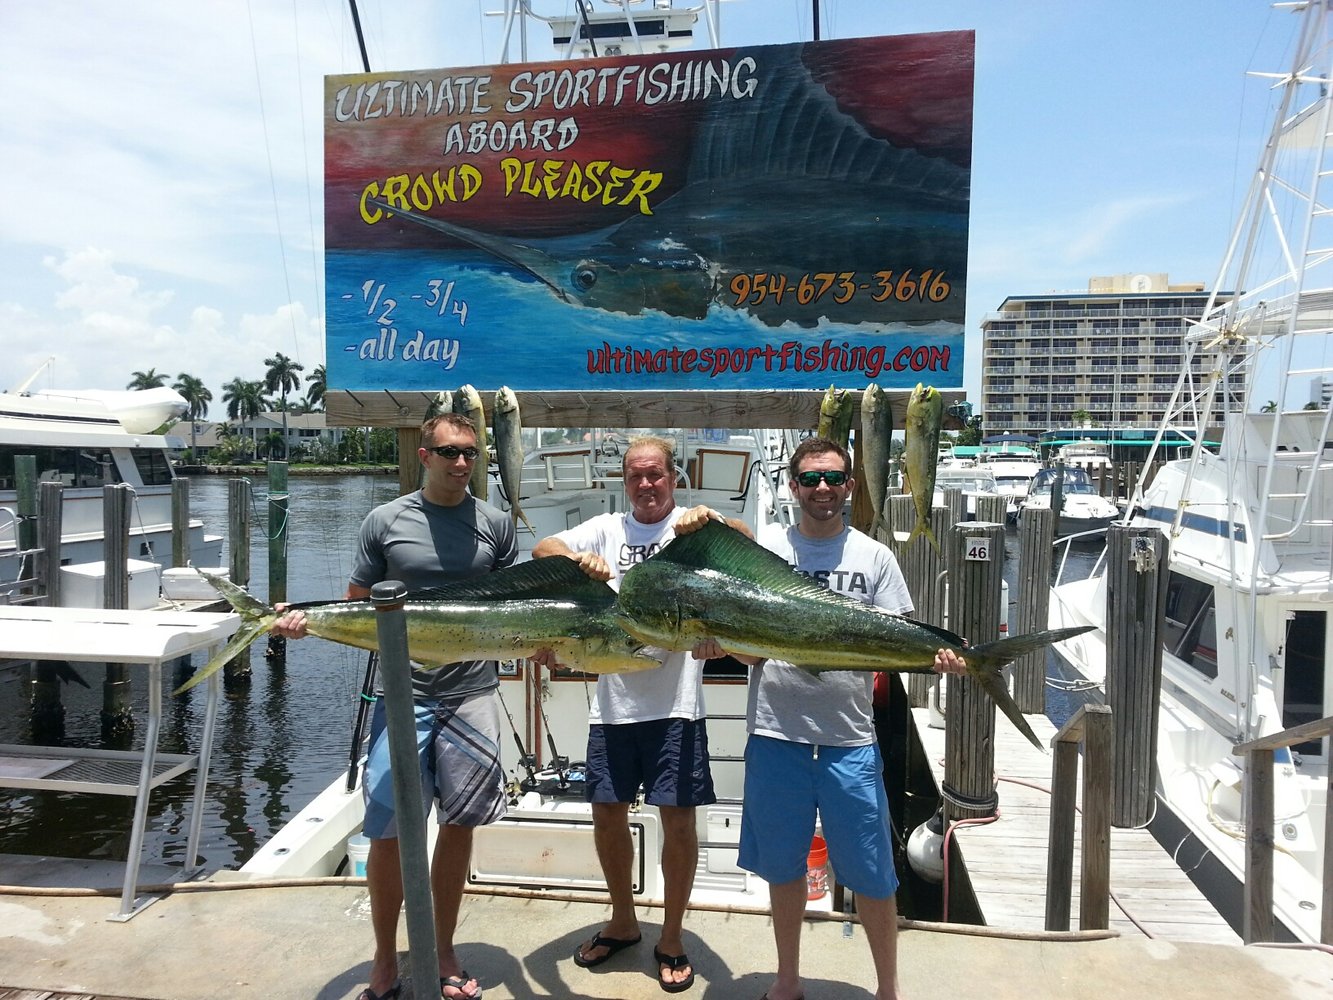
(723, 549)
(552, 576)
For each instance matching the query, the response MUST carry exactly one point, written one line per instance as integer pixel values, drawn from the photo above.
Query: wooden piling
(1036, 534)
(50, 526)
(117, 716)
(25, 485)
(1136, 560)
(180, 521)
(993, 508)
(237, 670)
(410, 469)
(277, 550)
(1090, 726)
(921, 566)
(46, 707)
(976, 572)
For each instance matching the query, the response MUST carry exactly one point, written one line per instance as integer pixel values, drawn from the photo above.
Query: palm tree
(283, 376)
(197, 396)
(151, 379)
(245, 401)
(1269, 407)
(314, 393)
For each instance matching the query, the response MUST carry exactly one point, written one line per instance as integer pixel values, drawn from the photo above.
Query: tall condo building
(1115, 352)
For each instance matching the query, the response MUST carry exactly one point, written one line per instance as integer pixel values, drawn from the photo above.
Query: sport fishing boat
(1013, 467)
(545, 840)
(85, 440)
(1082, 509)
(1246, 646)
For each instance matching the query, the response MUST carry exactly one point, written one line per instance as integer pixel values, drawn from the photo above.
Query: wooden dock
(1006, 859)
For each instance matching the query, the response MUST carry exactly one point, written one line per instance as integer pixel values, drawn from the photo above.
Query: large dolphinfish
(512, 612)
(716, 583)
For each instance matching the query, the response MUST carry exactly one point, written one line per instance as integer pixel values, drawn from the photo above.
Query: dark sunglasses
(831, 476)
(451, 453)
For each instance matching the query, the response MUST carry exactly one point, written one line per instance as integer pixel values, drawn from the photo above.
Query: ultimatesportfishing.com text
(791, 356)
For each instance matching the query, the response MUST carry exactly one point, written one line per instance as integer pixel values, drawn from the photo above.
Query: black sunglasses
(450, 452)
(831, 476)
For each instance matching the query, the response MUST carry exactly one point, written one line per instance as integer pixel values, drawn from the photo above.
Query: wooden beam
(735, 409)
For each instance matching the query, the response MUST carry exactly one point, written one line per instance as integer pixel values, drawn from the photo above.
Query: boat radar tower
(628, 27)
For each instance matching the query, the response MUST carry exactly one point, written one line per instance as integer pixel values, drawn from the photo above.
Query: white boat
(1082, 509)
(1090, 456)
(1247, 643)
(546, 838)
(975, 481)
(85, 441)
(1014, 468)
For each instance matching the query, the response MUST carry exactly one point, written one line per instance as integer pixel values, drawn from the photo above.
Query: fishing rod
(364, 703)
(526, 760)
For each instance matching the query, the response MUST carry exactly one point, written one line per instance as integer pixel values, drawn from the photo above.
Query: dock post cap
(387, 594)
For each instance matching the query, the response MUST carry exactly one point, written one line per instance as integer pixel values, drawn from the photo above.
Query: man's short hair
(818, 446)
(458, 421)
(661, 445)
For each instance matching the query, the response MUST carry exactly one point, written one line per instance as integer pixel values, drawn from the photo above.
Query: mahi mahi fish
(716, 583)
(835, 415)
(921, 451)
(509, 451)
(876, 433)
(467, 401)
(513, 612)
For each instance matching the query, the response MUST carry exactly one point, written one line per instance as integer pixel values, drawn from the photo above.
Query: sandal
(612, 945)
(458, 982)
(673, 962)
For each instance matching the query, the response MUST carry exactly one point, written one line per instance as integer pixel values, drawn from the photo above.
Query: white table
(142, 638)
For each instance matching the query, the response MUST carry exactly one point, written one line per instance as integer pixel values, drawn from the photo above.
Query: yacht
(1014, 468)
(1083, 511)
(86, 440)
(1246, 637)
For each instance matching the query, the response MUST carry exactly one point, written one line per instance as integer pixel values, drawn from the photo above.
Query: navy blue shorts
(668, 757)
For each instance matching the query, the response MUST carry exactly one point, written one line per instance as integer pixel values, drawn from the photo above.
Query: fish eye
(584, 278)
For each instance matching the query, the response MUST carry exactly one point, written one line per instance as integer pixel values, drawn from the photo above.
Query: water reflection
(280, 739)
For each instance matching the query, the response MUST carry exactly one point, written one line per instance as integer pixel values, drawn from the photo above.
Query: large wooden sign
(777, 217)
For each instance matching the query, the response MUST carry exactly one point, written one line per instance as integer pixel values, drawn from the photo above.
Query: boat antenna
(815, 5)
(360, 36)
(23, 386)
(583, 6)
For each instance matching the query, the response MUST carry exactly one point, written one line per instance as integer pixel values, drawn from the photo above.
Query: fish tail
(991, 678)
(985, 663)
(517, 512)
(257, 617)
(923, 528)
(996, 654)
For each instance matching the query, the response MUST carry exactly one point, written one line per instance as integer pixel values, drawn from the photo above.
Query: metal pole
(396, 677)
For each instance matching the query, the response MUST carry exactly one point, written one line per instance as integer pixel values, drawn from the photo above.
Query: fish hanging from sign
(791, 210)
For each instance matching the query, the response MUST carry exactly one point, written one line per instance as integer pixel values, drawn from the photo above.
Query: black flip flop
(612, 945)
(673, 962)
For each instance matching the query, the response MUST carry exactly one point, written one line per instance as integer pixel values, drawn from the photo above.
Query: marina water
(280, 739)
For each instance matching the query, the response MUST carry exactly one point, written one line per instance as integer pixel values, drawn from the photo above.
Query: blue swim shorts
(668, 757)
(786, 783)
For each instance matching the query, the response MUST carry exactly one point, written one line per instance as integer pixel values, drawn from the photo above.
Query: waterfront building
(1114, 352)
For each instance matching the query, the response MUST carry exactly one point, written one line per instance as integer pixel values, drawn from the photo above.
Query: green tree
(315, 386)
(1081, 417)
(1269, 407)
(245, 400)
(282, 375)
(197, 397)
(151, 379)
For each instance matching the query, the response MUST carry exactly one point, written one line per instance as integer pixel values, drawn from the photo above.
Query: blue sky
(161, 161)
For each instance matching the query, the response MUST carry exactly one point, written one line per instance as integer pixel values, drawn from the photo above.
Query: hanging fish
(509, 451)
(467, 401)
